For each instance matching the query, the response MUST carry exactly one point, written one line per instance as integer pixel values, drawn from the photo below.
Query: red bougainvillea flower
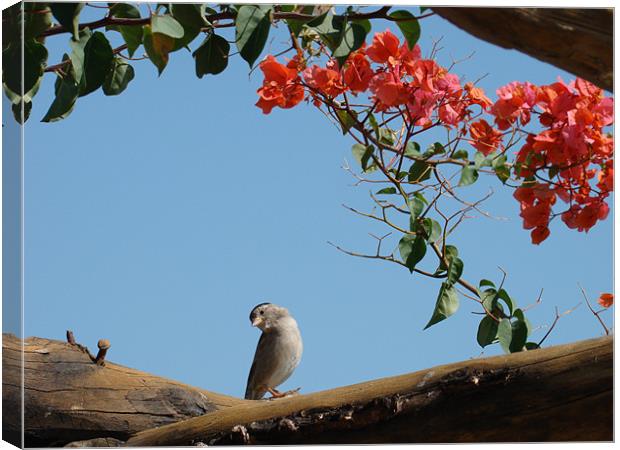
(606, 300)
(388, 90)
(357, 72)
(515, 103)
(606, 177)
(409, 57)
(384, 48)
(425, 73)
(539, 234)
(421, 106)
(476, 96)
(326, 81)
(281, 87)
(485, 138)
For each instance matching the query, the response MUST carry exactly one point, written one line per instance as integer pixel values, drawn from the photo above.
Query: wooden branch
(577, 40)
(562, 393)
(68, 397)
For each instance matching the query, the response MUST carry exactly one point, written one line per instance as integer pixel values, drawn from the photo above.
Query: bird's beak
(257, 321)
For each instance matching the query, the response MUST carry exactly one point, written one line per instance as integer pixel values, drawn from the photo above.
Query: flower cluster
(571, 158)
(394, 77)
(568, 150)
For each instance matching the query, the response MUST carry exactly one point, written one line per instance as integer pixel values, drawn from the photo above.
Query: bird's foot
(277, 394)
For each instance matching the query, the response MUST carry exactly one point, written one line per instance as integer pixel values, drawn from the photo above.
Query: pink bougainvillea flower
(281, 87)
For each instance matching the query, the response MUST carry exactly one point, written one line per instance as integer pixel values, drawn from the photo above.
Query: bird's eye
(262, 312)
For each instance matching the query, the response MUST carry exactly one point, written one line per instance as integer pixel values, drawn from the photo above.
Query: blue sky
(159, 218)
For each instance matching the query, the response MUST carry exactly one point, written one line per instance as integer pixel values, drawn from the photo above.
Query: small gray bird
(278, 351)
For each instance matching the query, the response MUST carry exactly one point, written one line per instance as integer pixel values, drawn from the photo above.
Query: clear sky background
(159, 218)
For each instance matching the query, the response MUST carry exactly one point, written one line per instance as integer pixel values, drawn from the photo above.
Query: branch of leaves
(503, 321)
(91, 65)
(469, 172)
(412, 247)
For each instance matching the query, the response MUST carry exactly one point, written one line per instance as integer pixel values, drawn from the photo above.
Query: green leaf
(480, 160)
(373, 123)
(484, 283)
(98, 61)
(503, 295)
(447, 304)
(252, 29)
(455, 270)
(419, 171)
(387, 191)
(77, 53)
(362, 154)
(118, 78)
(68, 15)
(489, 299)
(410, 28)
(436, 149)
(412, 150)
(167, 25)
(66, 95)
(416, 206)
(487, 331)
(431, 228)
(211, 56)
(520, 315)
(132, 35)
(190, 15)
(347, 119)
(519, 336)
(157, 46)
(450, 253)
(34, 58)
(353, 37)
(329, 29)
(469, 175)
(504, 333)
(412, 250)
(460, 154)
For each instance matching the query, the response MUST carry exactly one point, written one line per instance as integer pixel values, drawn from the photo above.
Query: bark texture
(562, 393)
(70, 398)
(577, 40)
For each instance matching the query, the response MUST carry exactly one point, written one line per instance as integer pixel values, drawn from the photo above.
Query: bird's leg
(275, 393)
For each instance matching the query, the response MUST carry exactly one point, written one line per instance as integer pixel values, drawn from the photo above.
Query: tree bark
(562, 393)
(577, 40)
(69, 398)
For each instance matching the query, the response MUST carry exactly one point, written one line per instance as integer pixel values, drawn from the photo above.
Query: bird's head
(266, 315)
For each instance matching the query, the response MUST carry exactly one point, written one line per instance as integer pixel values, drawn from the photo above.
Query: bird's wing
(255, 388)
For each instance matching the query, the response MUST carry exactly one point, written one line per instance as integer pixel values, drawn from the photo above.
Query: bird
(278, 351)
